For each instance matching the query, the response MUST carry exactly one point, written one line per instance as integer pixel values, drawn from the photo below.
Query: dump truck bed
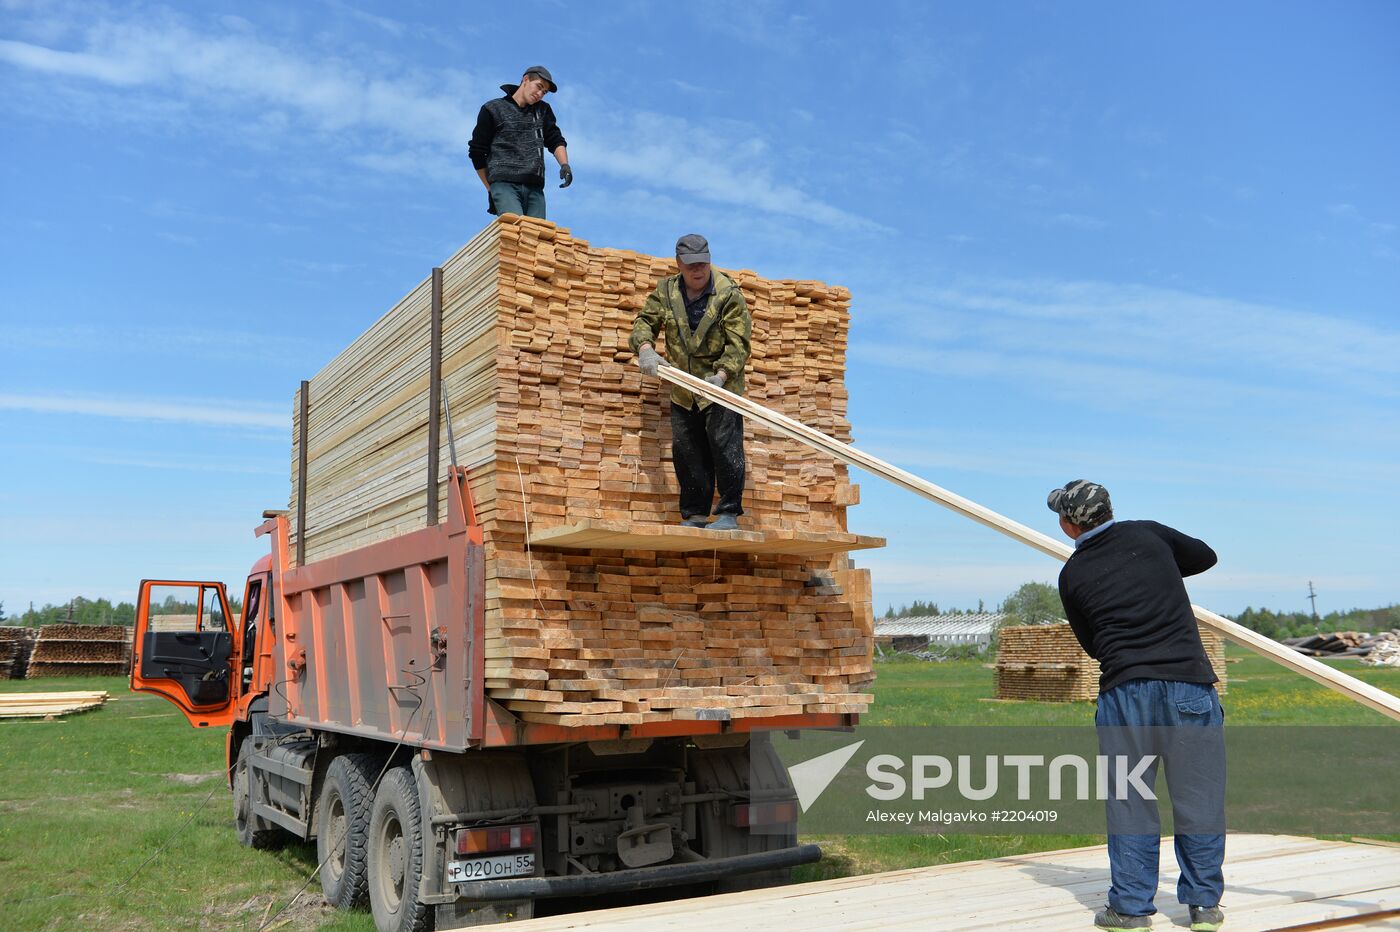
(388, 642)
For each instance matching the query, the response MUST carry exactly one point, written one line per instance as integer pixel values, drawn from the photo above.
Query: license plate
(496, 865)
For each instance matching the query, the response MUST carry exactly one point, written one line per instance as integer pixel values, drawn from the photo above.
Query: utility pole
(1312, 597)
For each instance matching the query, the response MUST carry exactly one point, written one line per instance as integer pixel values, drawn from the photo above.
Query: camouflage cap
(1080, 502)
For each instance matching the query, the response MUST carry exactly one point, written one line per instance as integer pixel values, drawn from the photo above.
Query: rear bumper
(625, 881)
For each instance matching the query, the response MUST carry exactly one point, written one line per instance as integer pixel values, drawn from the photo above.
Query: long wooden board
(600, 535)
(1349, 686)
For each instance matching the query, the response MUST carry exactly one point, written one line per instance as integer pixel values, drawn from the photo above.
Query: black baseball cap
(543, 72)
(692, 248)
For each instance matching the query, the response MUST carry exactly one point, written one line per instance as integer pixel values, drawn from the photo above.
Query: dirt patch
(191, 779)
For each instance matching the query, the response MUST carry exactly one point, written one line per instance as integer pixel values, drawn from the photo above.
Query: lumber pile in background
(48, 705)
(1046, 663)
(1345, 643)
(16, 644)
(558, 428)
(81, 650)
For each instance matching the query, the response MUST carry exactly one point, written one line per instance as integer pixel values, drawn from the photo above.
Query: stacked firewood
(81, 650)
(1046, 663)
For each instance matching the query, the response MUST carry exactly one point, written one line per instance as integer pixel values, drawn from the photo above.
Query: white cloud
(1152, 345)
(407, 121)
(218, 413)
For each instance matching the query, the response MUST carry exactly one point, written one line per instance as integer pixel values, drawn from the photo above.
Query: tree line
(1037, 603)
(84, 611)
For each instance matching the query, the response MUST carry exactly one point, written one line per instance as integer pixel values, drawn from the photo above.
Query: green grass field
(120, 819)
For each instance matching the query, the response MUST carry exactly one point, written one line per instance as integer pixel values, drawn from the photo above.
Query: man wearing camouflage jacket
(707, 326)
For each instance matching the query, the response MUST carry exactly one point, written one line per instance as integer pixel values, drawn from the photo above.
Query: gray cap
(692, 248)
(1080, 502)
(543, 72)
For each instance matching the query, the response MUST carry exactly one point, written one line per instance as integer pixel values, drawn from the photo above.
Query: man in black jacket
(1123, 594)
(507, 146)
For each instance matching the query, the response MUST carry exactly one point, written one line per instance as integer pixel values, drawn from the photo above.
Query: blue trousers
(1182, 725)
(522, 199)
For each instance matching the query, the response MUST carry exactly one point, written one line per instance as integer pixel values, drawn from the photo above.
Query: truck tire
(252, 830)
(396, 856)
(342, 827)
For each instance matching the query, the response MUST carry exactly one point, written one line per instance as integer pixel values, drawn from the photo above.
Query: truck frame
(353, 694)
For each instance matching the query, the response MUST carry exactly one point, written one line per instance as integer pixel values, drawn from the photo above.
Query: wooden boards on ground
(46, 705)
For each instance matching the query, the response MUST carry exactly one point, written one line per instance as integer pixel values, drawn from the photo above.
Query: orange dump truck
(352, 691)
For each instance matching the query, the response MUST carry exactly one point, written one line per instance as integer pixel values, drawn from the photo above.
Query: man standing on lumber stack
(507, 146)
(707, 327)
(1124, 597)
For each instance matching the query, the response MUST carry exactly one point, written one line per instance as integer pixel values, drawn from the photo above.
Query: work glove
(490, 204)
(648, 360)
(566, 175)
(718, 379)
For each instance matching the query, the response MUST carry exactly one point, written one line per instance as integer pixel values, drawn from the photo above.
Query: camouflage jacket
(721, 341)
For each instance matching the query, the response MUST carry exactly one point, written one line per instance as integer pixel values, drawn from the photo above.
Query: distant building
(919, 631)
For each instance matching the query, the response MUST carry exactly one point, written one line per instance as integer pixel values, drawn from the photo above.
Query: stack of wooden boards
(48, 705)
(1046, 663)
(558, 428)
(81, 650)
(16, 644)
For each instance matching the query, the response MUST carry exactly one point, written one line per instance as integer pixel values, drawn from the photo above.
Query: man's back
(1123, 594)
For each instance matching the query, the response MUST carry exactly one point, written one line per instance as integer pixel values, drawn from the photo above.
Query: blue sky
(1155, 246)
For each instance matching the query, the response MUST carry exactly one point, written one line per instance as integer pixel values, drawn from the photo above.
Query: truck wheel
(396, 856)
(342, 825)
(251, 829)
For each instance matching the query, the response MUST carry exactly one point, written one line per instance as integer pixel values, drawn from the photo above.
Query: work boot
(695, 521)
(1114, 921)
(724, 523)
(1206, 918)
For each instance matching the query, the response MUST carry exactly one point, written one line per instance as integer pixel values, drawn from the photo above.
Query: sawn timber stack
(1046, 663)
(611, 614)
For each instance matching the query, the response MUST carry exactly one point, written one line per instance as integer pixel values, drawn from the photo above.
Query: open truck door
(187, 648)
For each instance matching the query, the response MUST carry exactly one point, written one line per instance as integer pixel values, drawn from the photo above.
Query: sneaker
(695, 521)
(1114, 921)
(1206, 918)
(724, 523)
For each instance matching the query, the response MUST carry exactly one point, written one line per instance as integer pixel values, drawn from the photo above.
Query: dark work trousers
(707, 447)
(1182, 726)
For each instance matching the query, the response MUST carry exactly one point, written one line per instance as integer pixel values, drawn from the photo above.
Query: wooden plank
(604, 535)
(1349, 686)
(1271, 882)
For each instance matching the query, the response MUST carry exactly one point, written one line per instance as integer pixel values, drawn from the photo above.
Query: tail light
(753, 814)
(495, 838)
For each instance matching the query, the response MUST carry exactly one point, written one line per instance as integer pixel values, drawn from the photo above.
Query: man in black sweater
(507, 146)
(1123, 594)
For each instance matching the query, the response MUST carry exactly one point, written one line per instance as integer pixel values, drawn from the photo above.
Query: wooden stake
(1349, 686)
